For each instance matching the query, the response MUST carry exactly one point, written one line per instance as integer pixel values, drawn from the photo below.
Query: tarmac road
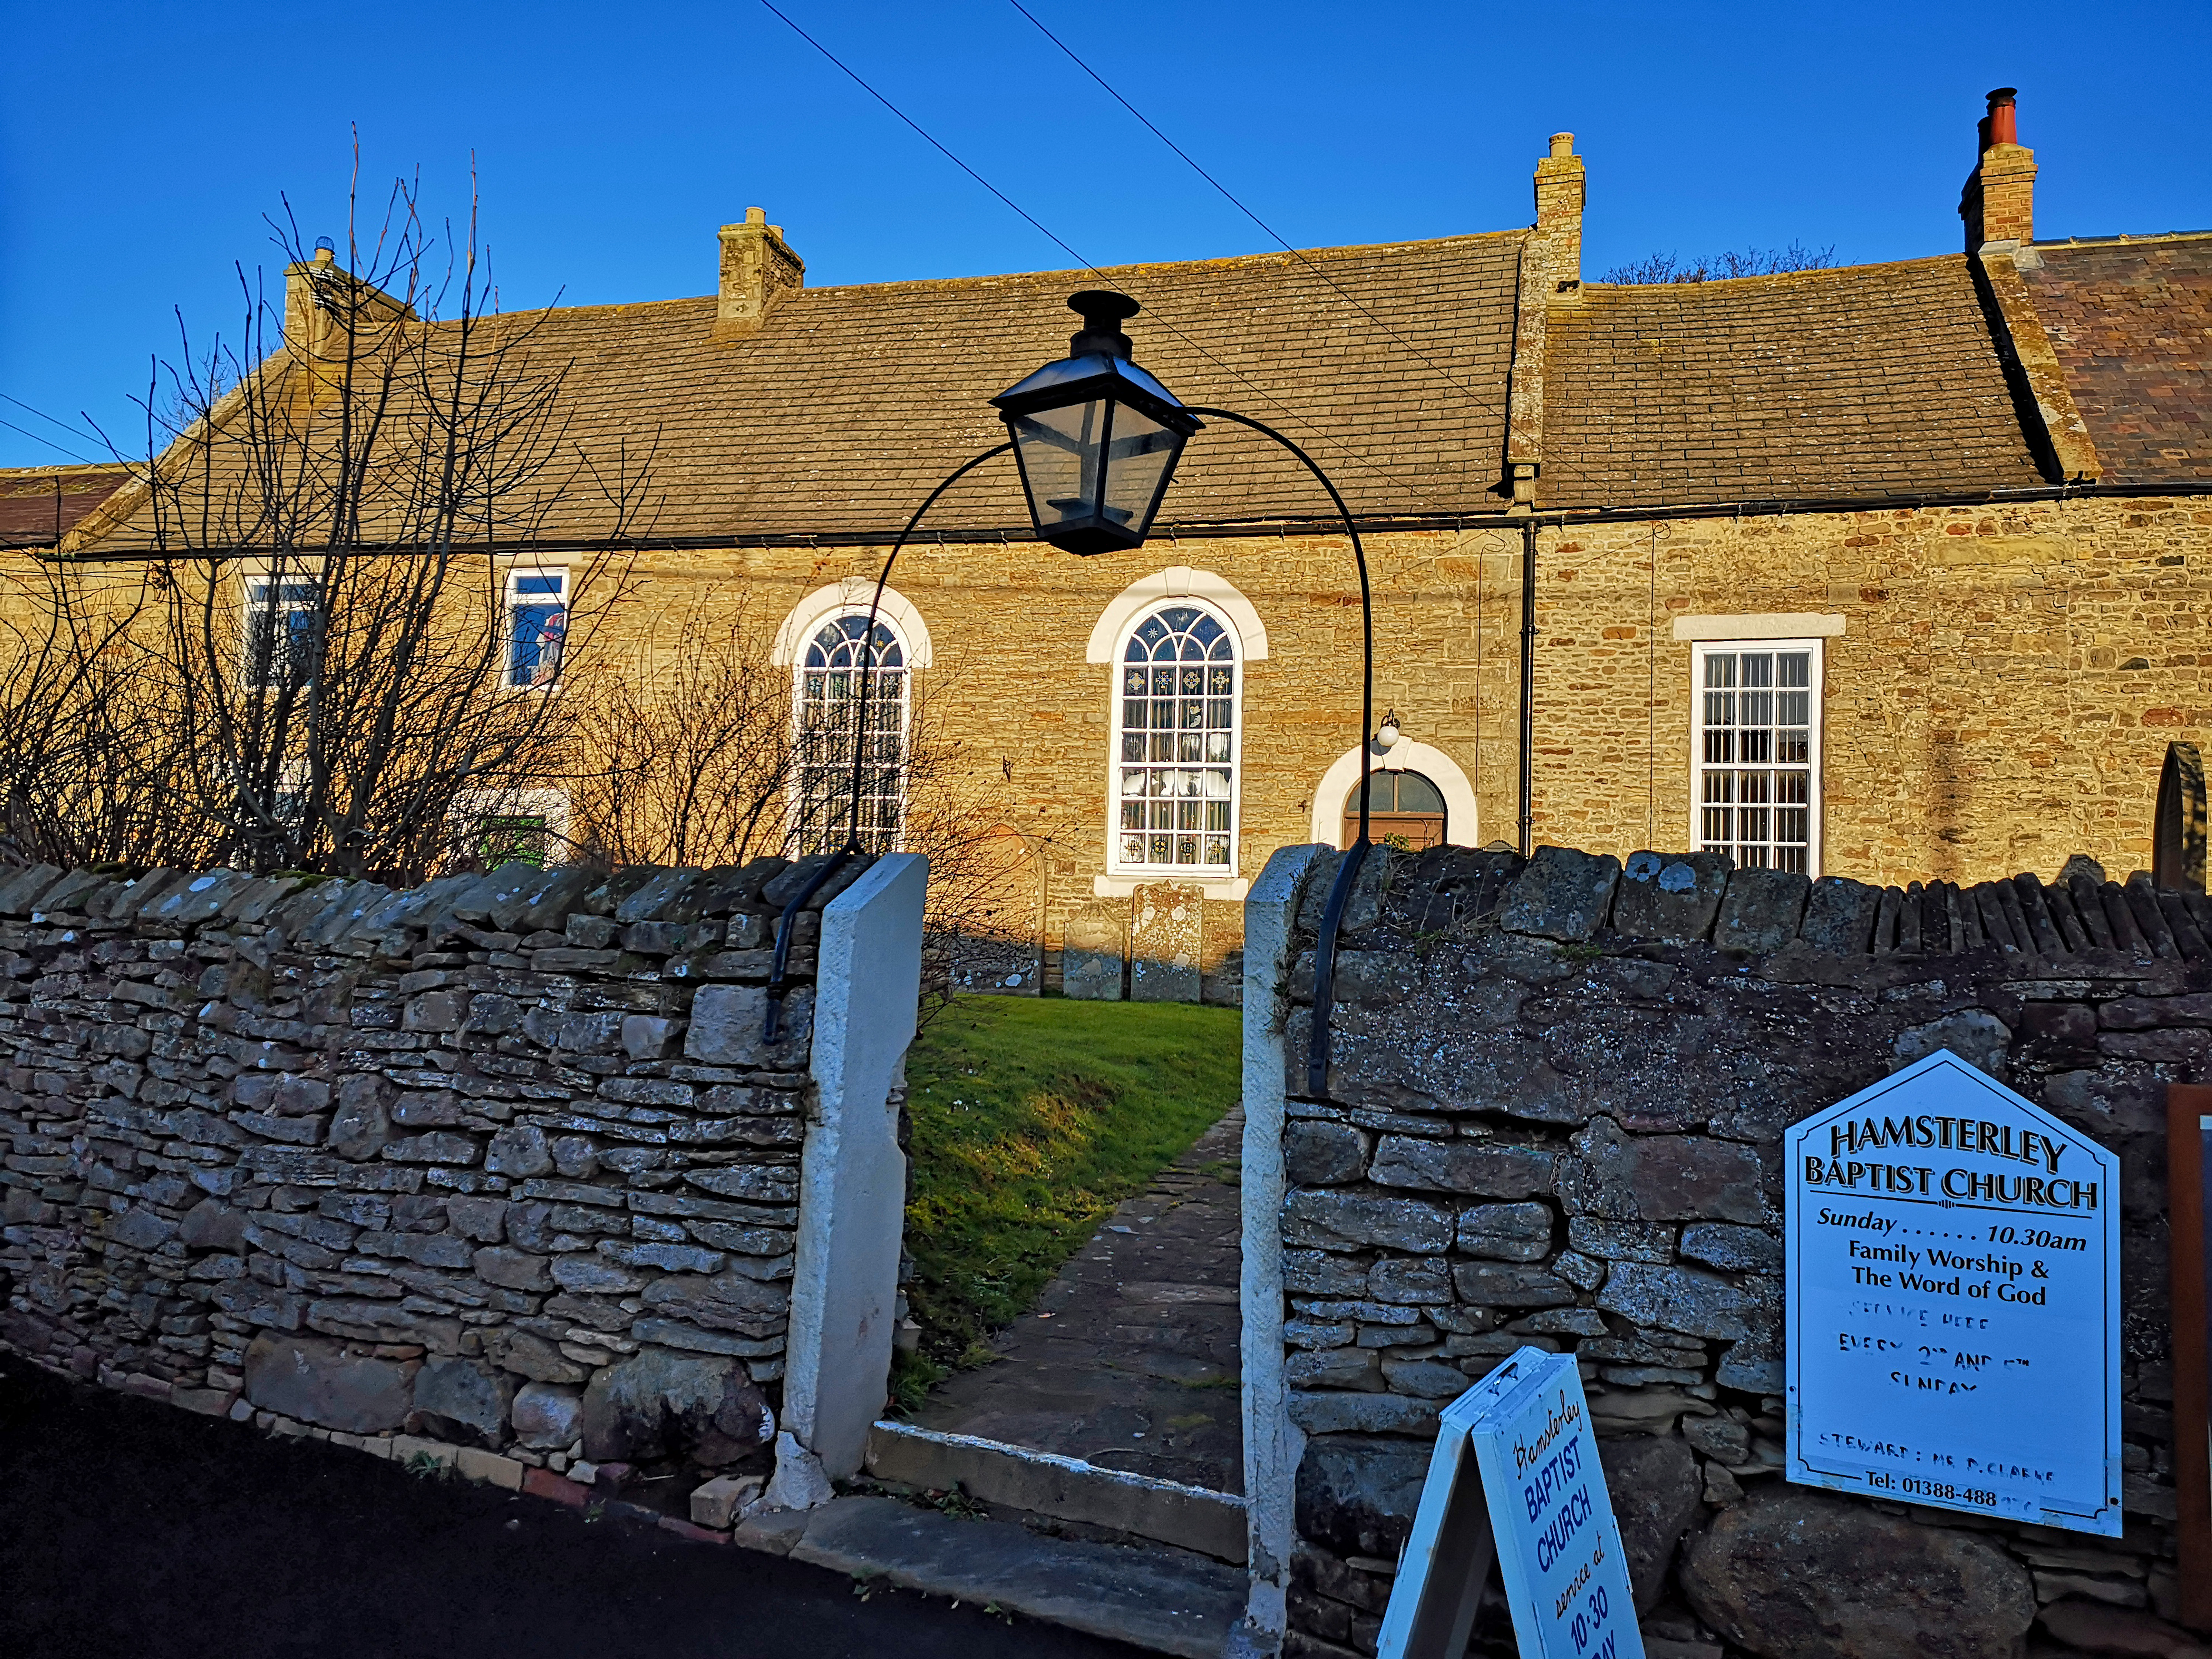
(135, 1530)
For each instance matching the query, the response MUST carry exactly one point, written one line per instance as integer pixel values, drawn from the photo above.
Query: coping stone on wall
(1563, 894)
(1672, 898)
(1839, 915)
(1761, 910)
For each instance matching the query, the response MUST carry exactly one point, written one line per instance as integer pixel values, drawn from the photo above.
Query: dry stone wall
(1554, 1117)
(502, 1163)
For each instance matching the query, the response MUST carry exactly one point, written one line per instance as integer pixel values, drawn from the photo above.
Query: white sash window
(1756, 772)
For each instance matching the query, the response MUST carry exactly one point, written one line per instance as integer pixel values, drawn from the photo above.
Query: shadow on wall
(1555, 1115)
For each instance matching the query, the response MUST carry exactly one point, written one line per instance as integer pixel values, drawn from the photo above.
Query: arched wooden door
(1403, 808)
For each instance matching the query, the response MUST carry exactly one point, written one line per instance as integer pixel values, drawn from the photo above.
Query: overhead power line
(36, 439)
(32, 409)
(1229, 196)
(1318, 433)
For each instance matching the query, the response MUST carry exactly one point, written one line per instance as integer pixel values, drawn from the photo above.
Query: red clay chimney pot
(2003, 126)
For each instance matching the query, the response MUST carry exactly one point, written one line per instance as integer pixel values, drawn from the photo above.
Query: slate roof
(39, 504)
(1392, 364)
(852, 402)
(2131, 322)
(1389, 363)
(1866, 380)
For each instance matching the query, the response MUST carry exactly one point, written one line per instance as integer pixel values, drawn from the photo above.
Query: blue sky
(141, 145)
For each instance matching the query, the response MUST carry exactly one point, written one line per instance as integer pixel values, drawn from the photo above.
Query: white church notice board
(1953, 1305)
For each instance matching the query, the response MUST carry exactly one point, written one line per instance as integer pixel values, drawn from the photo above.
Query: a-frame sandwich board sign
(1514, 1478)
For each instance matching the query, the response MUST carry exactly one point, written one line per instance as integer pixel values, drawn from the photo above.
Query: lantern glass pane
(1138, 460)
(1060, 451)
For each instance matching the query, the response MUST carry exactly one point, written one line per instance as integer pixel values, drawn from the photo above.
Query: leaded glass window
(1757, 767)
(828, 693)
(1176, 791)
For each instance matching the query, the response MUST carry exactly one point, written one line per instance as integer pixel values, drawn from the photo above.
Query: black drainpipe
(1527, 688)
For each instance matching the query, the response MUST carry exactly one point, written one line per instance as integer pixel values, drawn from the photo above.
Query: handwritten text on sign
(1559, 1547)
(1954, 1302)
(1516, 1472)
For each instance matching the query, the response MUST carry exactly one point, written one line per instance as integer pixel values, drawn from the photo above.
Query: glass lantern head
(1097, 437)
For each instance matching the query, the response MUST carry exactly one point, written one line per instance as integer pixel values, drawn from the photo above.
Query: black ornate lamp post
(1097, 440)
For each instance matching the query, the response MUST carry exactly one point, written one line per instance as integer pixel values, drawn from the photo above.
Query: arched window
(1176, 785)
(827, 692)
(1403, 809)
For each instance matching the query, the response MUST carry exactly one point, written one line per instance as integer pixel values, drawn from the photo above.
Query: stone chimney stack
(1560, 215)
(1551, 276)
(330, 315)
(757, 270)
(1998, 203)
(309, 290)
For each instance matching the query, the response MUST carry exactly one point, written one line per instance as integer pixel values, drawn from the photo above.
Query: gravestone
(1954, 1323)
(1166, 931)
(977, 964)
(1093, 949)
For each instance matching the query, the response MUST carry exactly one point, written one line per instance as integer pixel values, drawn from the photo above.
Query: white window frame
(795, 795)
(512, 600)
(1816, 675)
(1120, 871)
(255, 580)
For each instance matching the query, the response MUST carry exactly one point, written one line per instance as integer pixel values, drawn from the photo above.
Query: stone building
(1879, 571)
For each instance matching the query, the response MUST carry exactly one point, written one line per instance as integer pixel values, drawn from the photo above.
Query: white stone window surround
(849, 597)
(1109, 637)
(1814, 645)
(1342, 777)
(1766, 625)
(1179, 581)
(471, 806)
(548, 588)
(821, 608)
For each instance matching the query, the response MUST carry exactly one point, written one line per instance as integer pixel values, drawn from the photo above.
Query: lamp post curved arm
(1340, 892)
(777, 980)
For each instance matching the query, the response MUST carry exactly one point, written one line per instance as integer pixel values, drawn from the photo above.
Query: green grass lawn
(1032, 1119)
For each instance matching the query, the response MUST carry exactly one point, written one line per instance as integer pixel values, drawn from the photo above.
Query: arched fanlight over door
(1404, 809)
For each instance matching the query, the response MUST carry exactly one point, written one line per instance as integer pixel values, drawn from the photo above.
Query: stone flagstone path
(1129, 1359)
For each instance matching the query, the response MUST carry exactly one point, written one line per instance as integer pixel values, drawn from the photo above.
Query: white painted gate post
(1273, 1443)
(852, 1193)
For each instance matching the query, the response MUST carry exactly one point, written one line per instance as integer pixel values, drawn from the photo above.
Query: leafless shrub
(703, 763)
(1663, 268)
(309, 664)
(692, 767)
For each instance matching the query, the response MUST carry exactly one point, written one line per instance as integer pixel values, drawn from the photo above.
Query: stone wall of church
(499, 1170)
(2000, 695)
(1554, 1117)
